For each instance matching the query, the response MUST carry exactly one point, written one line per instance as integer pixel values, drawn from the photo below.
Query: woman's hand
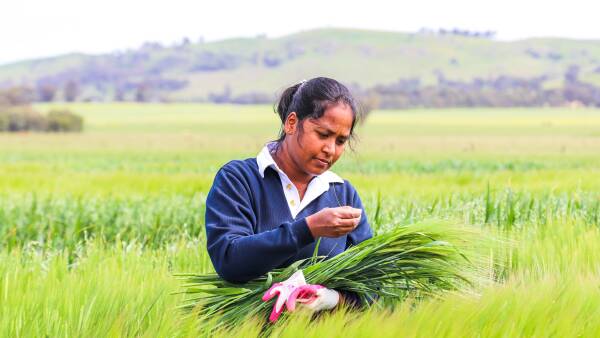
(333, 222)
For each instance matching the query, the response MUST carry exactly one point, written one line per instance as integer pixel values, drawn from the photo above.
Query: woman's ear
(291, 123)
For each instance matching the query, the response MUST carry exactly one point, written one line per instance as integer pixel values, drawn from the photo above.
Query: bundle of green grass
(417, 260)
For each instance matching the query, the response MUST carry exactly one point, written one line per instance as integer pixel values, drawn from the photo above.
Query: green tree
(64, 121)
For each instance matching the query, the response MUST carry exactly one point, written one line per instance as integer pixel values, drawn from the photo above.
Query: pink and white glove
(283, 290)
(314, 297)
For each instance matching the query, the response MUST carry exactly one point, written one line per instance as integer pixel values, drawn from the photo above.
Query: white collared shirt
(317, 186)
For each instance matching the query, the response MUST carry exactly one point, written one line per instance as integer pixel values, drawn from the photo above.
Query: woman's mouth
(323, 163)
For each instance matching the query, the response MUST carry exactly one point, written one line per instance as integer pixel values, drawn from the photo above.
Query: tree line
(17, 114)
(500, 91)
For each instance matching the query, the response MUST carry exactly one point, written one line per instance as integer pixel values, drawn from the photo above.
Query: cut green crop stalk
(419, 260)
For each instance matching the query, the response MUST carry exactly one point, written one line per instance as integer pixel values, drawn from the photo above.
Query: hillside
(253, 69)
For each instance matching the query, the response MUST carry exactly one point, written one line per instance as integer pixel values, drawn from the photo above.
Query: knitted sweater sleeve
(236, 251)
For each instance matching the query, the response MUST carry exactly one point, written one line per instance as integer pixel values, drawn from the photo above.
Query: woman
(267, 212)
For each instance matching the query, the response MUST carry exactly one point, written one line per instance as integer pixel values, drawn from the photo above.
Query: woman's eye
(341, 141)
(323, 136)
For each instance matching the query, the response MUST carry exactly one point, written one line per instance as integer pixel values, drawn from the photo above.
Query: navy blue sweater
(250, 230)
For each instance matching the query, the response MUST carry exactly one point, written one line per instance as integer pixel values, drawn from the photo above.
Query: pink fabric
(303, 294)
(283, 290)
(276, 289)
(288, 295)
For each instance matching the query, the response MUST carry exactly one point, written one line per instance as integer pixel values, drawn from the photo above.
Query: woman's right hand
(333, 222)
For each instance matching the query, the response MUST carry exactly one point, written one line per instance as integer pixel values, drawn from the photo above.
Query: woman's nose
(329, 147)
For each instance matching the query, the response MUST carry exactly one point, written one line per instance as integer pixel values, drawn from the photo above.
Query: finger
(301, 294)
(344, 230)
(275, 314)
(273, 290)
(290, 303)
(280, 303)
(349, 212)
(348, 222)
(342, 233)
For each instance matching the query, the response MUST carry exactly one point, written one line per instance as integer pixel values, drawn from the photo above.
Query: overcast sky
(38, 28)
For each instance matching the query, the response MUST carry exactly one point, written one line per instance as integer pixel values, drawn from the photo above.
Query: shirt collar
(265, 160)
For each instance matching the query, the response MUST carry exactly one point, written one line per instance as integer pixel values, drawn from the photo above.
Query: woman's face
(321, 142)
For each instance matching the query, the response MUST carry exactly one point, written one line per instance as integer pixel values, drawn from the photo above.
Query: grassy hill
(262, 66)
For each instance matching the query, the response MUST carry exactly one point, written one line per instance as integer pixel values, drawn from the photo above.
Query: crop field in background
(93, 225)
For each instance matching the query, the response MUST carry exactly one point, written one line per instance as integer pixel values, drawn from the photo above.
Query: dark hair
(310, 99)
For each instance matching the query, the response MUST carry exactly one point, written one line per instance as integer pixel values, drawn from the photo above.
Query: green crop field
(94, 225)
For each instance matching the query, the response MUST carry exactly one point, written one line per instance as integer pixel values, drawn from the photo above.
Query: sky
(42, 28)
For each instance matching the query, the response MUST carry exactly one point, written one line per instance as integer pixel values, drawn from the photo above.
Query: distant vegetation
(503, 91)
(16, 114)
(443, 68)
